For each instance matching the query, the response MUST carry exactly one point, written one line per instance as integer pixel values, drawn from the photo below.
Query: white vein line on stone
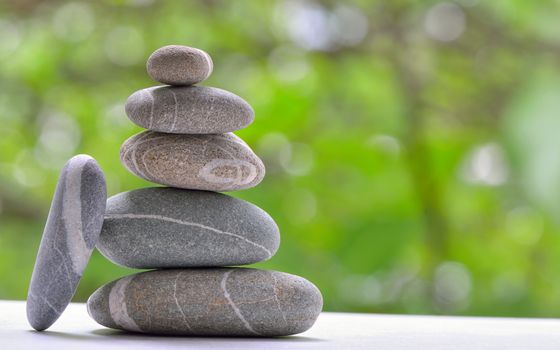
(52, 280)
(232, 138)
(117, 305)
(276, 297)
(176, 109)
(177, 302)
(70, 287)
(232, 304)
(64, 264)
(210, 167)
(204, 146)
(148, 174)
(207, 171)
(186, 223)
(72, 214)
(146, 138)
(149, 93)
(225, 151)
(133, 148)
(32, 295)
(140, 141)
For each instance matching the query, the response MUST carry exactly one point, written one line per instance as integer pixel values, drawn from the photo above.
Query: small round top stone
(179, 65)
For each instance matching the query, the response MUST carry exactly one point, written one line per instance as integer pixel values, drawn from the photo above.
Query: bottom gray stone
(208, 302)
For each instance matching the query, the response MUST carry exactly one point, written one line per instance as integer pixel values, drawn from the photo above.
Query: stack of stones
(188, 232)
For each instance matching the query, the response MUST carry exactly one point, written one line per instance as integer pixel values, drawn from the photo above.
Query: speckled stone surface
(162, 227)
(221, 162)
(188, 110)
(71, 232)
(179, 65)
(208, 302)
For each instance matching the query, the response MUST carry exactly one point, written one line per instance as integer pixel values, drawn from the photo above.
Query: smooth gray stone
(188, 110)
(220, 162)
(162, 227)
(179, 65)
(208, 302)
(71, 232)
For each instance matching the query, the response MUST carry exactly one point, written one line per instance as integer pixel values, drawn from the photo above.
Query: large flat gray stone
(71, 232)
(221, 162)
(188, 110)
(164, 227)
(208, 302)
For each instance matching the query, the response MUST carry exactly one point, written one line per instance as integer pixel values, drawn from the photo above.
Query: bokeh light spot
(73, 21)
(124, 46)
(445, 22)
(486, 165)
(452, 286)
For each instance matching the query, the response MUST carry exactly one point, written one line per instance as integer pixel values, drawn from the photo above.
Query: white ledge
(339, 331)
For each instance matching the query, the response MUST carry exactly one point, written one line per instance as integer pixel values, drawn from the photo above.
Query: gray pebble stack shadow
(190, 235)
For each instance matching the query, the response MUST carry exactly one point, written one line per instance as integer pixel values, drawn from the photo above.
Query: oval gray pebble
(221, 162)
(179, 65)
(208, 302)
(188, 110)
(71, 232)
(168, 227)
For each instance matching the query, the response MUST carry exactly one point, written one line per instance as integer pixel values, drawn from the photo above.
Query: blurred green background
(412, 147)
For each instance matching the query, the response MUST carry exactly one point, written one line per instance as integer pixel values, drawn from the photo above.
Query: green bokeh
(409, 172)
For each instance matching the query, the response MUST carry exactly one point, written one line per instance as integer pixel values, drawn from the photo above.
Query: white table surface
(75, 330)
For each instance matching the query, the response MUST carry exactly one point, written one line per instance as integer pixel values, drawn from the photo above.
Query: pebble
(220, 162)
(179, 65)
(162, 227)
(208, 302)
(70, 234)
(188, 110)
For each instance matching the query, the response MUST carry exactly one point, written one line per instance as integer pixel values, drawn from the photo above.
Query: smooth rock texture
(188, 110)
(163, 227)
(179, 65)
(221, 162)
(71, 232)
(208, 302)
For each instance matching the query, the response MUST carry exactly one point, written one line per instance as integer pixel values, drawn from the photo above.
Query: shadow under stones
(120, 334)
(61, 335)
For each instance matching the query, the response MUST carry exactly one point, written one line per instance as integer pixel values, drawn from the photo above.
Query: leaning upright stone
(70, 234)
(179, 65)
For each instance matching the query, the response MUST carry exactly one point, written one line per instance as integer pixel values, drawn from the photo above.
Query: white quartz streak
(117, 305)
(187, 223)
(233, 305)
(72, 214)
